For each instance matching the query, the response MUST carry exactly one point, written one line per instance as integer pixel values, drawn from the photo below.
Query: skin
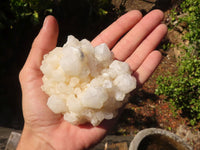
(45, 130)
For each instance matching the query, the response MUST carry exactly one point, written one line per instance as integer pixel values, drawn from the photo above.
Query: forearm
(31, 141)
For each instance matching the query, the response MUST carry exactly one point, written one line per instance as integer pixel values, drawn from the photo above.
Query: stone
(13, 141)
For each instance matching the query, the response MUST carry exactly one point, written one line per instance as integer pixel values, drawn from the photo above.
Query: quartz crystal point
(85, 83)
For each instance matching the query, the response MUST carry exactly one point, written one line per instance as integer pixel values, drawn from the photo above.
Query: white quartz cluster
(85, 83)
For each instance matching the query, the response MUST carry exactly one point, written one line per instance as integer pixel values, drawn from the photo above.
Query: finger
(135, 36)
(148, 45)
(44, 42)
(117, 29)
(147, 67)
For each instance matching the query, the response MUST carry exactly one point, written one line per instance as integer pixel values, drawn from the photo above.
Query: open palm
(45, 130)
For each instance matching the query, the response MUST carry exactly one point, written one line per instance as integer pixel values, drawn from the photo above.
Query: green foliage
(30, 8)
(167, 46)
(99, 7)
(192, 9)
(173, 15)
(15, 11)
(183, 90)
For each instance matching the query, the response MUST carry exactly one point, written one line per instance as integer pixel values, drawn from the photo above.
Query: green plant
(167, 46)
(173, 15)
(99, 7)
(30, 8)
(192, 9)
(183, 89)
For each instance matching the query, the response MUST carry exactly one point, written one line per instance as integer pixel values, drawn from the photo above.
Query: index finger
(117, 29)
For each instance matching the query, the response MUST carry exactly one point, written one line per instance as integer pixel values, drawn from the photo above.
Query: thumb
(45, 41)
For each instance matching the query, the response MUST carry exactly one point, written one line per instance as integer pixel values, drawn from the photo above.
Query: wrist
(31, 141)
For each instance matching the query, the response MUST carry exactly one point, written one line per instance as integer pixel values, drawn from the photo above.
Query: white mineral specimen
(85, 83)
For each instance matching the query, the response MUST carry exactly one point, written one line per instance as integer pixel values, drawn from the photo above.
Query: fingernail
(45, 23)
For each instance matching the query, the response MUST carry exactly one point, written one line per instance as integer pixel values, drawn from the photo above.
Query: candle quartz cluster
(85, 83)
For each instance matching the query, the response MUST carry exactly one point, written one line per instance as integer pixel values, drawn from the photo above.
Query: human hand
(45, 130)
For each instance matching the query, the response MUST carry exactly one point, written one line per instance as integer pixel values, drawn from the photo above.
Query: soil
(146, 109)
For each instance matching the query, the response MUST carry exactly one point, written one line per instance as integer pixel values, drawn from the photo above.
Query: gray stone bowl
(157, 139)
